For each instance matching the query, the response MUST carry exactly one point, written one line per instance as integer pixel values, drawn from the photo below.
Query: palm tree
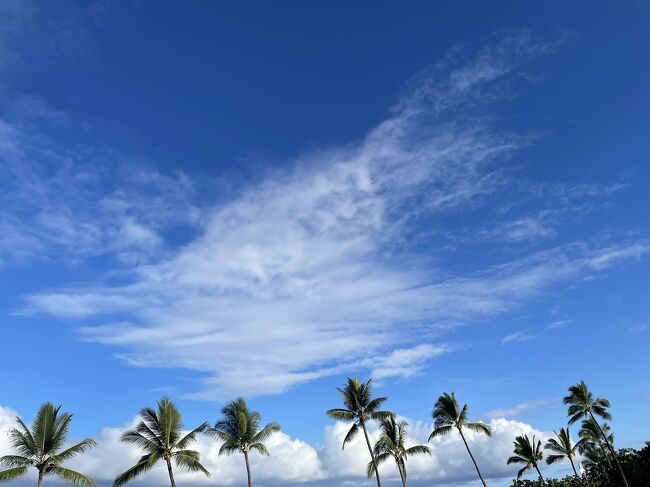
(583, 405)
(591, 442)
(447, 416)
(40, 447)
(392, 443)
(360, 407)
(527, 452)
(562, 448)
(160, 436)
(239, 429)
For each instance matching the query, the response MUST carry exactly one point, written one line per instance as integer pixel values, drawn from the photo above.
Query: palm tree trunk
(611, 450)
(539, 473)
(402, 471)
(40, 478)
(372, 455)
(573, 467)
(248, 470)
(605, 454)
(171, 473)
(460, 430)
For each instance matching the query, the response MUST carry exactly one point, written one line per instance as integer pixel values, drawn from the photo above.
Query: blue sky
(217, 199)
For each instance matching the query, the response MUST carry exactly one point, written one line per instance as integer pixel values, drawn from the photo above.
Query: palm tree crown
(240, 431)
(40, 446)
(160, 436)
(591, 443)
(529, 452)
(447, 415)
(562, 448)
(582, 404)
(360, 407)
(392, 443)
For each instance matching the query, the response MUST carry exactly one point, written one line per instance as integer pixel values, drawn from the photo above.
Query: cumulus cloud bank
(293, 461)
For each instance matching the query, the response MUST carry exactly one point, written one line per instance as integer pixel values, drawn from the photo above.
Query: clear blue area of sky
(229, 89)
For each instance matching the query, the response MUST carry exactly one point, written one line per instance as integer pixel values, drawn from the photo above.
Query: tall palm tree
(591, 442)
(527, 452)
(41, 447)
(239, 429)
(160, 436)
(392, 443)
(562, 448)
(360, 407)
(582, 405)
(447, 415)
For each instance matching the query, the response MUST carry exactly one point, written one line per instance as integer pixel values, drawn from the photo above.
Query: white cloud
(641, 327)
(526, 336)
(339, 258)
(293, 461)
(522, 408)
(404, 362)
(518, 336)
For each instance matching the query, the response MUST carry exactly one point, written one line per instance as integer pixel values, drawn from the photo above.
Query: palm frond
(479, 428)
(417, 450)
(15, 461)
(12, 473)
(260, 448)
(144, 465)
(379, 459)
(340, 414)
(72, 477)
(190, 461)
(191, 436)
(138, 439)
(352, 433)
(375, 404)
(381, 415)
(440, 431)
(516, 459)
(266, 432)
(76, 449)
(550, 459)
(229, 448)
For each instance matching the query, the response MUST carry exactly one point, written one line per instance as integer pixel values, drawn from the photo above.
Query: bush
(635, 465)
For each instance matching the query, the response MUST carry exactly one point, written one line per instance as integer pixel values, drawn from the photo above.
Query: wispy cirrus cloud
(527, 335)
(345, 255)
(524, 408)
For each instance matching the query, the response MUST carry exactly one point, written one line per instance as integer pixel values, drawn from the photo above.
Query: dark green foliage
(160, 436)
(565, 482)
(42, 447)
(447, 416)
(392, 444)
(360, 407)
(240, 431)
(635, 465)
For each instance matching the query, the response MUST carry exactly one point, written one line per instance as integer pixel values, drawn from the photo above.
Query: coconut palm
(582, 405)
(529, 452)
(392, 443)
(239, 429)
(41, 447)
(562, 448)
(591, 442)
(160, 436)
(447, 416)
(360, 408)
